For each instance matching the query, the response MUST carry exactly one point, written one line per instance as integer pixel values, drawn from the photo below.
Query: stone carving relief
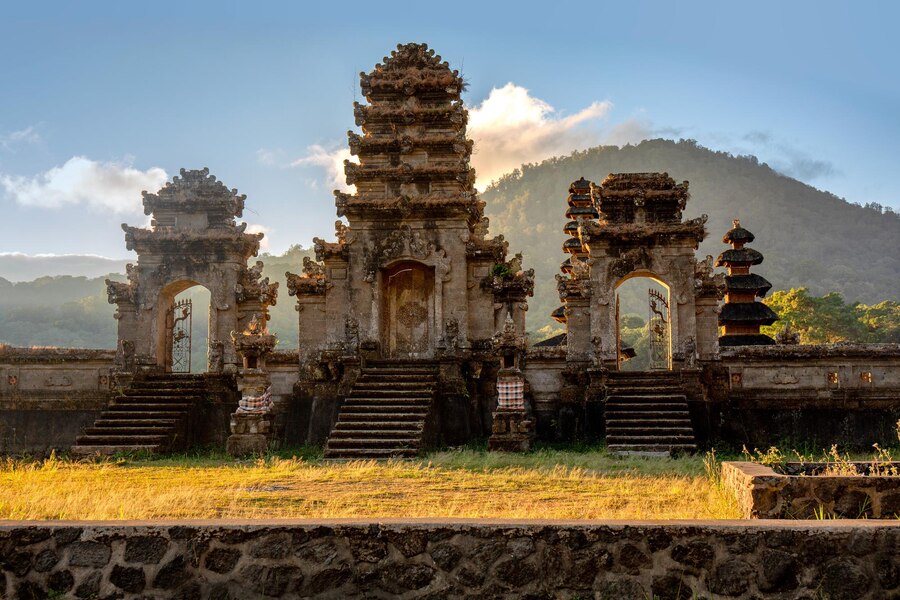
(58, 381)
(629, 262)
(252, 286)
(783, 377)
(351, 335)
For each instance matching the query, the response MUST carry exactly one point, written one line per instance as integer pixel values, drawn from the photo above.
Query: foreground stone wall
(48, 394)
(452, 559)
(763, 493)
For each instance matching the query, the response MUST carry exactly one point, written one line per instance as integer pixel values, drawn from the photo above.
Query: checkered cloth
(256, 404)
(511, 393)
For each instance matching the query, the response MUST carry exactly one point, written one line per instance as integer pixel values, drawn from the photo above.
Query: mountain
(809, 238)
(15, 266)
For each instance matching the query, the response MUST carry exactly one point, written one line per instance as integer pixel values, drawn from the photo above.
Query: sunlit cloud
(80, 181)
(333, 163)
(257, 228)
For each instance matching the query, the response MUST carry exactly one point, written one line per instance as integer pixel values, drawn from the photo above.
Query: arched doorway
(408, 310)
(183, 325)
(643, 323)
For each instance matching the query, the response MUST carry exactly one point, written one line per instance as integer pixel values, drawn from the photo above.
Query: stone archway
(408, 295)
(657, 307)
(193, 240)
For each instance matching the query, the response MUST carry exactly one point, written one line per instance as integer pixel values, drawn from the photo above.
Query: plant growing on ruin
(839, 464)
(771, 457)
(883, 463)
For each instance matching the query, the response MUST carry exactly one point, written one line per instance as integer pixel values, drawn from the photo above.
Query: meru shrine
(412, 322)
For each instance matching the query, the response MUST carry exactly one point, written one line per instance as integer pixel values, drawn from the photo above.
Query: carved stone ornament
(783, 377)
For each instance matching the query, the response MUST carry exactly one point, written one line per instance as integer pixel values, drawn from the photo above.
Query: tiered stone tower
(743, 315)
(412, 276)
(581, 209)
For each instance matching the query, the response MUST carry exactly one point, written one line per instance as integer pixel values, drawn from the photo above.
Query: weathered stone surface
(90, 585)
(445, 555)
(695, 554)
(398, 578)
(89, 554)
(328, 579)
(171, 575)
(59, 581)
(222, 560)
(779, 571)
(464, 560)
(129, 579)
(45, 560)
(731, 578)
(517, 573)
(844, 579)
(272, 546)
(147, 549)
(273, 581)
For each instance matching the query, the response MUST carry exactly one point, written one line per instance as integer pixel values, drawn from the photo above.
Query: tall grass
(548, 483)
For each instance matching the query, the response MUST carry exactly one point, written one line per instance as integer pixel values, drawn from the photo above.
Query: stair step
(379, 417)
(629, 397)
(395, 434)
(148, 407)
(370, 453)
(660, 448)
(138, 440)
(377, 425)
(127, 430)
(361, 401)
(146, 422)
(647, 431)
(107, 450)
(389, 393)
(637, 440)
(386, 408)
(370, 442)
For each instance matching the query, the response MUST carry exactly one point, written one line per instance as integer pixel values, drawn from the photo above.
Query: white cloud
(333, 163)
(257, 228)
(108, 186)
(511, 127)
(29, 135)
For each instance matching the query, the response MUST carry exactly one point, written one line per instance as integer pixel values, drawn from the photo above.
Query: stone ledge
(807, 351)
(762, 492)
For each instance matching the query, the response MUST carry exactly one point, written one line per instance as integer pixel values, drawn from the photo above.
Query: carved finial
(735, 223)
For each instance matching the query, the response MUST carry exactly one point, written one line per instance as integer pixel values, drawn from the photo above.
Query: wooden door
(408, 311)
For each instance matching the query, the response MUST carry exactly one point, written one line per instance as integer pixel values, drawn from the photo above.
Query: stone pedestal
(250, 434)
(512, 431)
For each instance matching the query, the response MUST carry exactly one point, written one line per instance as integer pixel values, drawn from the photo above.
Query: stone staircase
(386, 413)
(647, 412)
(152, 415)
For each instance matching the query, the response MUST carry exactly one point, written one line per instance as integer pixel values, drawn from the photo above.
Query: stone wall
(48, 394)
(847, 394)
(763, 493)
(450, 559)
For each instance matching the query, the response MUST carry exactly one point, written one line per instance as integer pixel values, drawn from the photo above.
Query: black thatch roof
(582, 211)
(747, 312)
(556, 340)
(738, 234)
(581, 186)
(748, 283)
(746, 340)
(742, 256)
(572, 245)
(571, 228)
(559, 315)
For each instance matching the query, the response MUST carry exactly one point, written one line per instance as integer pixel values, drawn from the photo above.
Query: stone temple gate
(631, 226)
(192, 240)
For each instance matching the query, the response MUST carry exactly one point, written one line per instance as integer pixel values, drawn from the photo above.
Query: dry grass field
(468, 483)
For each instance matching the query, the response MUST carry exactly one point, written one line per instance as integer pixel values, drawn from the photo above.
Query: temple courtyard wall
(450, 559)
(848, 394)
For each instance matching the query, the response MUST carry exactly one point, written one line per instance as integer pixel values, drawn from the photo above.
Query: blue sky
(100, 99)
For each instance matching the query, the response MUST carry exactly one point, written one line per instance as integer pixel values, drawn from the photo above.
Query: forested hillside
(810, 238)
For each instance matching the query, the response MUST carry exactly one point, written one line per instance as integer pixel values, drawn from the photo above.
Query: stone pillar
(513, 427)
(252, 430)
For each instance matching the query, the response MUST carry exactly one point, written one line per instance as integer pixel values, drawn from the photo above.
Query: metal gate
(660, 357)
(182, 316)
(618, 337)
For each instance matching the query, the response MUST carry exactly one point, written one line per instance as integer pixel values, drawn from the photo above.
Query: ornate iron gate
(182, 317)
(618, 337)
(660, 358)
